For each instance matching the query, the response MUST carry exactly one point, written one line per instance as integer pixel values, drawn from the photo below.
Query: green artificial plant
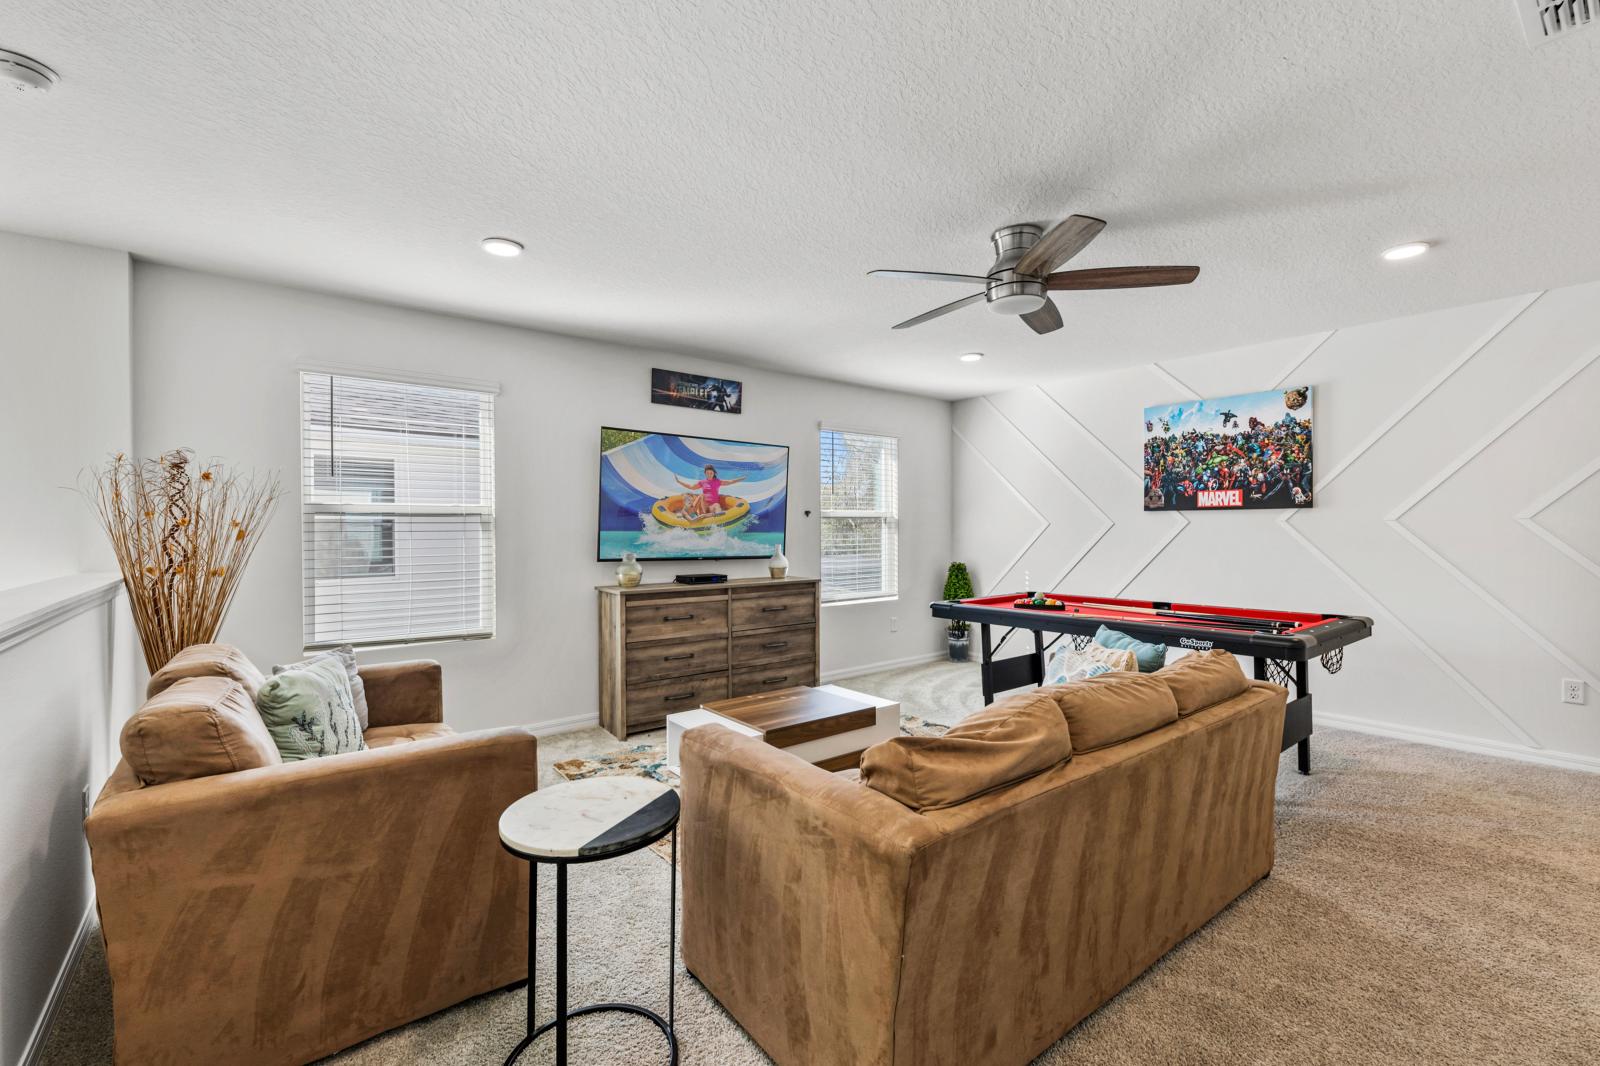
(958, 586)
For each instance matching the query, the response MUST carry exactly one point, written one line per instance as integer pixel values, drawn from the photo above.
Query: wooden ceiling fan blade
(937, 311)
(1045, 320)
(1066, 239)
(927, 275)
(1121, 277)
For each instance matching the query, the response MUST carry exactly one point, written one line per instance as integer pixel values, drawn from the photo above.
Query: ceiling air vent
(1545, 20)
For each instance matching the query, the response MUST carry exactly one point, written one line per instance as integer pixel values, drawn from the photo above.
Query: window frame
(393, 509)
(889, 589)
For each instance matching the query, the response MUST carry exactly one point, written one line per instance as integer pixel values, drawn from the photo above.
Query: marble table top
(590, 818)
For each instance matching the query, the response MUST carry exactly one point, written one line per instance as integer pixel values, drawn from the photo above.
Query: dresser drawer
(775, 646)
(766, 608)
(750, 679)
(679, 658)
(677, 619)
(650, 703)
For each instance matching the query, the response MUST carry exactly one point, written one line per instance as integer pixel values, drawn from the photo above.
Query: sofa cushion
(346, 654)
(1014, 738)
(386, 736)
(309, 711)
(1114, 707)
(1204, 678)
(196, 727)
(1151, 656)
(208, 660)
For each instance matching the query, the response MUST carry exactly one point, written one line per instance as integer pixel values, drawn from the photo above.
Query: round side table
(586, 821)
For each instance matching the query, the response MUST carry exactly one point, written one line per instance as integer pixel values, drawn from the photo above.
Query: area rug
(650, 761)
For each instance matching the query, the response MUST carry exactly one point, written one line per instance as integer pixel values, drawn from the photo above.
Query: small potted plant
(958, 586)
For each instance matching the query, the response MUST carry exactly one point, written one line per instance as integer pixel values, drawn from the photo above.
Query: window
(397, 511)
(860, 515)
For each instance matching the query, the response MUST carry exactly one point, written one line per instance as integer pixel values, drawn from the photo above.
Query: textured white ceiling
(719, 177)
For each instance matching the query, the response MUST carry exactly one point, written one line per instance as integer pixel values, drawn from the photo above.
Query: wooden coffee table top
(790, 716)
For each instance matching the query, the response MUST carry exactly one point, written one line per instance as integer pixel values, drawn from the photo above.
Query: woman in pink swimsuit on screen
(709, 502)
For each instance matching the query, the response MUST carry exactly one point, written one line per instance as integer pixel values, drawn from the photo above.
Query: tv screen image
(666, 496)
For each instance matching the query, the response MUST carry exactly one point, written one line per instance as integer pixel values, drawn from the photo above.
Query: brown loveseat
(260, 913)
(843, 927)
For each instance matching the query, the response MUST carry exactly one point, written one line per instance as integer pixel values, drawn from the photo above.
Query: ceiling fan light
(1020, 303)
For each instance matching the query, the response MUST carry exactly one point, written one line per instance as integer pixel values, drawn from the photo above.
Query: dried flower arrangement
(182, 534)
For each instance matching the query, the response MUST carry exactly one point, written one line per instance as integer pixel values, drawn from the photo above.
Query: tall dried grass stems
(182, 533)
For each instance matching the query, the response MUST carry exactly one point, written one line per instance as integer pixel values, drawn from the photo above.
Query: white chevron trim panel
(1406, 494)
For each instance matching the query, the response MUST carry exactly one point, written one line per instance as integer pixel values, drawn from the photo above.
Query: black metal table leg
(561, 965)
(563, 1015)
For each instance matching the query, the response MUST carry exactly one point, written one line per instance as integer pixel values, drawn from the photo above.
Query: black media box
(701, 579)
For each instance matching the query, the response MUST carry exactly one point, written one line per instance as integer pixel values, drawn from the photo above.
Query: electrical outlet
(1571, 690)
(894, 624)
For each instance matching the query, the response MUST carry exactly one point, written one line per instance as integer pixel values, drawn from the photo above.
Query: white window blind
(860, 515)
(397, 511)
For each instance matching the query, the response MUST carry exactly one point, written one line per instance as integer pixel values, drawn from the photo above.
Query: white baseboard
(830, 676)
(58, 988)
(570, 724)
(1520, 752)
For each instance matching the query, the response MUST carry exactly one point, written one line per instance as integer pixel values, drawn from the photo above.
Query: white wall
(1457, 504)
(64, 399)
(65, 404)
(215, 369)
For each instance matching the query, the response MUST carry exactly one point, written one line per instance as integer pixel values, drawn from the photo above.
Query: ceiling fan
(1021, 276)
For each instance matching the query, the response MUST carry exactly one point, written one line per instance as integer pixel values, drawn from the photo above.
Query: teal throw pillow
(310, 712)
(358, 688)
(1151, 657)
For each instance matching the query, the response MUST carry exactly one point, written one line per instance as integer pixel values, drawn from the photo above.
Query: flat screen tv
(665, 496)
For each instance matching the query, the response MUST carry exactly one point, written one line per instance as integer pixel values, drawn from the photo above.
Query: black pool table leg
(1297, 723)
(988, 663)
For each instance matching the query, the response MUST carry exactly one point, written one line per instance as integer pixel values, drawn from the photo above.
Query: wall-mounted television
(667, 496)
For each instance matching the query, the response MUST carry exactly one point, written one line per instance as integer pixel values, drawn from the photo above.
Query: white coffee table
(838, 749)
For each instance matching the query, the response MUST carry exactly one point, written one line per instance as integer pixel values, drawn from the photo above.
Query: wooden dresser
(669, 647)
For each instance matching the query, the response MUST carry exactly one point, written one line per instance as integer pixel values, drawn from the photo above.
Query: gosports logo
(1198, 645)
(1219, 498)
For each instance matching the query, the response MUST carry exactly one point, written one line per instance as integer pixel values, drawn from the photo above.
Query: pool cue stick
(1222, 620)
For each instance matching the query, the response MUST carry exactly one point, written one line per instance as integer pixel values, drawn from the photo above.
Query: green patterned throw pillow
(309, 711)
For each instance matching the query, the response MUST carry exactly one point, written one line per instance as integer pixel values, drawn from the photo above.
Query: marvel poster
(1229, 454)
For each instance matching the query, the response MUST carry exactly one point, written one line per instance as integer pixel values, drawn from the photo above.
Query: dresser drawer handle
(775, 680)
(674, 658)
(774, 645)
(679, 696)
(676, 617)
(780, 607)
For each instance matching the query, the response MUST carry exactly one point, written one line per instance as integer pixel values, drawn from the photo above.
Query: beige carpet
(1427, 906)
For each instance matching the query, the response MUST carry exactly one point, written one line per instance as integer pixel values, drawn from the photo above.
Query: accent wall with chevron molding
(1457, 503)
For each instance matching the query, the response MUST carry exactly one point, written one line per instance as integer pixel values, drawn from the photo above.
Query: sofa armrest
(794, 888)
(404, 693)
(279, 914)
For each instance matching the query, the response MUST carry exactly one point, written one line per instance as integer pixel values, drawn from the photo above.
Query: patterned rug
(650, 760)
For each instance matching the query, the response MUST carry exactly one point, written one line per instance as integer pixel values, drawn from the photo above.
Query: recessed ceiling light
(502, 246)
(1406, 251)
(972, 357)
(25, 74)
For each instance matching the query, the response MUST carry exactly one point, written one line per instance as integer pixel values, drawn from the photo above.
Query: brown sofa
(260, 913)
(840, 925)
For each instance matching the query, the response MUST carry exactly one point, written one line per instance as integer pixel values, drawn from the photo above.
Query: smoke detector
(1544, 21)
(25, 74)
